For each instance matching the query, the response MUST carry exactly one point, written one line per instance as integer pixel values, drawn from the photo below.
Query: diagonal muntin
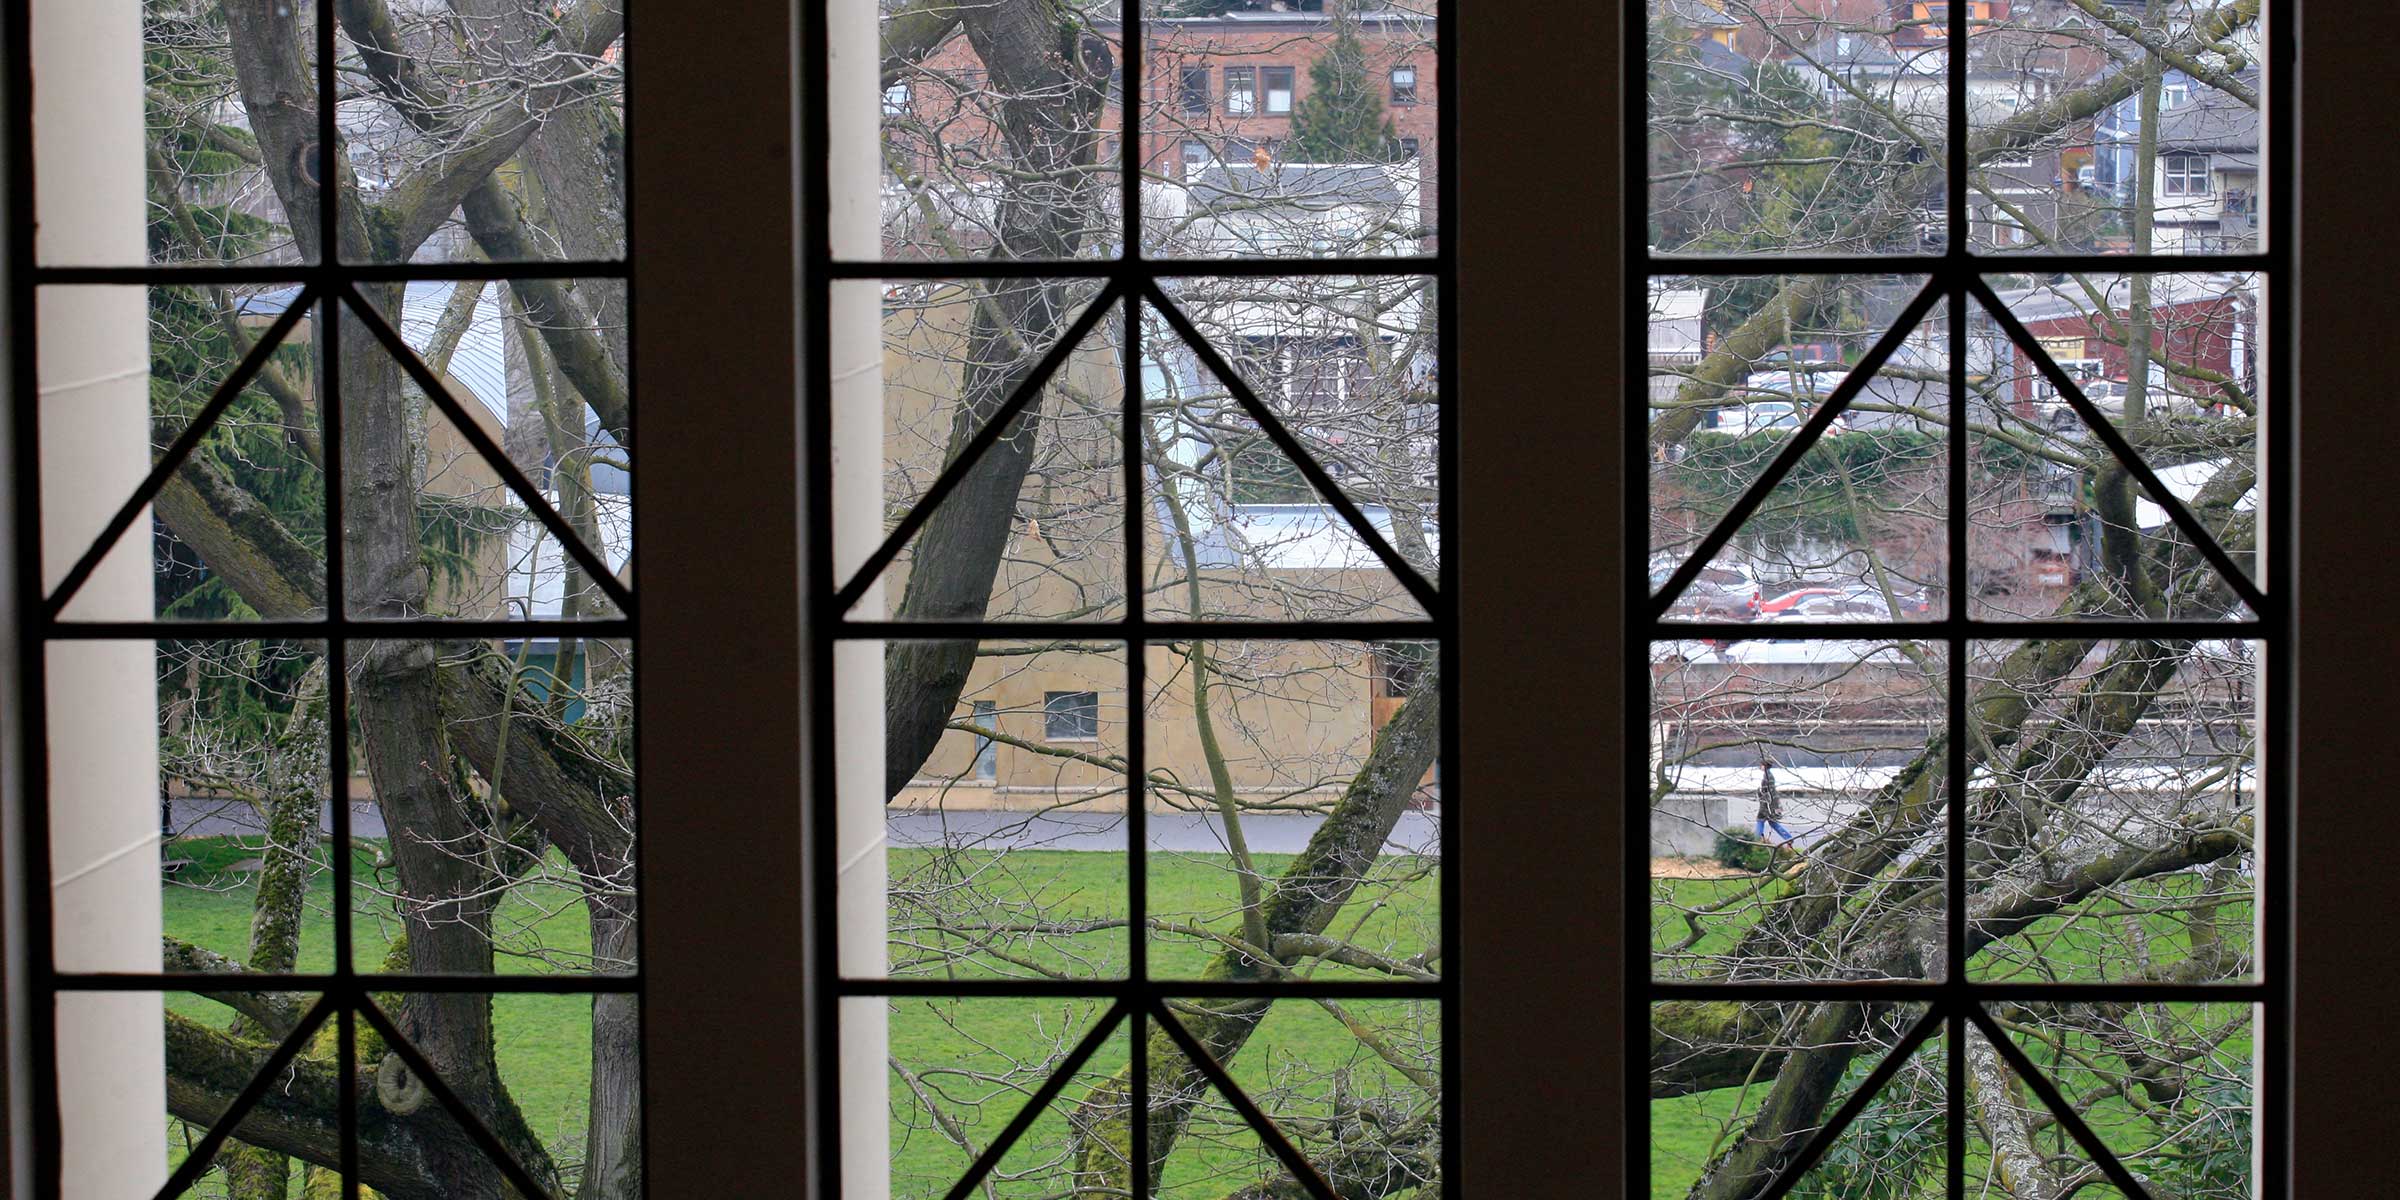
(201, 424)
(1037, 1103)
(468, 428)
(955, 471)
(2102, 1157)
(477, 1132)
(1300, 458)
(1311, 1180)
(1868, 1089)
(202, 1156)
(2121, 449)
(1802, 441)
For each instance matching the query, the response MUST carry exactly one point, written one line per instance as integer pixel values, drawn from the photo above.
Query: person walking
(1770, 806)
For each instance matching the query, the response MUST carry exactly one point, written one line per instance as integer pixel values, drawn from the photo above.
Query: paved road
(1176, 832)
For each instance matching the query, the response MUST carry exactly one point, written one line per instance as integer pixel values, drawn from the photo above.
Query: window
(1791, 616)
(1195, 91)
(896, 99)
(987, 751)
(1190, 572)
(1241, 90)
(1071, 716)
(1404, 85)
(1278, 82)
(274, 694)
(1410, 148)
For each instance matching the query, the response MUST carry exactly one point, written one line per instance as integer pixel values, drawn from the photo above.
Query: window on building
(1071, 716)
(2187, 175)
(1278, 84)
(1411, 148)
(1195, 157)
(1195, 91)
(896, 99)
(1241, 90)
(1404, 84)
(987, 751)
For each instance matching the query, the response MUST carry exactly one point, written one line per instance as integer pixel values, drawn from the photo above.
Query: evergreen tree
(1341, 120)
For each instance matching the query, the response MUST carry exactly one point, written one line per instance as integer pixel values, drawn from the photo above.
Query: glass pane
(1779, 131)
(996, 144)
(1347, 366)
(143, 1076)
(2114, 837)
(557, 1079)
(238, 533)
(2117, 129)
(1796, 810)
(1856, 530)
(960, 1070)
(1013, 871)
(1355, 1085)
(1290, 134)
(502, 837)
(2060, 528)
(542, 374)
(1295, 810)
(1036, 528)
(213, 822)
(1737, 1089)
(2169, 1089)
(490, 134)
(200, 153)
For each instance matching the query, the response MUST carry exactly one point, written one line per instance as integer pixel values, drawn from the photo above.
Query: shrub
(1740, 851)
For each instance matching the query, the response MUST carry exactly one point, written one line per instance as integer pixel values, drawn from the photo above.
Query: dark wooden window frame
(1543, 879)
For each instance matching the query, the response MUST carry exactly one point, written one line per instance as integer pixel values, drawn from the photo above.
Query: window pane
(1777, 131)
(1006, 148)
(1310, 85)
(497, 137)
(2060, 528)
(1295, 810)
(1790, 769)
(462, 875)
(2125, 130)
(238, 533)
(1346, 366)
(1044, 506)
(539, 368)
(999, 838)
(2138, 860)
(1856, 531)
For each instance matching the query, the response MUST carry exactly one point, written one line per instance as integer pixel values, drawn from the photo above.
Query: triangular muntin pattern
(177, 452)
(2119, 448)
(2040, 1084)
(1038, 1103)
(426, 1074)
(955, 471)
(1236, 548)
(1327, 489)
(472, 432)
(1311, 1180)
(1796, 1169)
(1912, 507)
(1802, 440)
(204, 1154)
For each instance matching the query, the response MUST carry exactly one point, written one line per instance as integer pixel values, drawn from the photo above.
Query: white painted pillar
(856, 351)
(94, 363)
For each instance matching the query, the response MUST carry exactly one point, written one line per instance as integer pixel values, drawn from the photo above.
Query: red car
(1768, 609)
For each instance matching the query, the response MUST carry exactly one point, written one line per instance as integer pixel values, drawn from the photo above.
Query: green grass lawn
(975, 1058)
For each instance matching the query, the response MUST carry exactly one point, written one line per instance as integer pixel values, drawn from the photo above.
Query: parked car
(1767, 416)
(1770, 609)
(1720, 592)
